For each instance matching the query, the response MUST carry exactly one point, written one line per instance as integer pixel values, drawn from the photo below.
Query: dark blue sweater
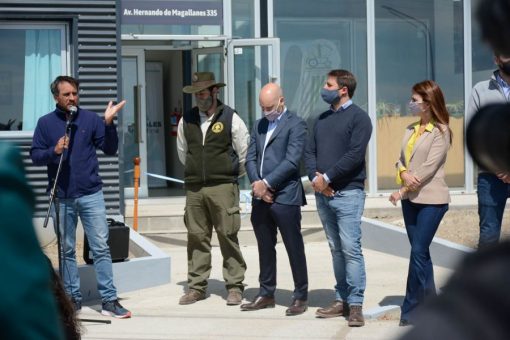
(79, 175)
(337, 147)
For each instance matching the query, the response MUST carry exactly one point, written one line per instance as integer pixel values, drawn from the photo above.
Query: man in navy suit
(276, 146)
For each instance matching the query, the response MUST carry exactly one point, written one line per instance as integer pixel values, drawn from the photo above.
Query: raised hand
(111, 111)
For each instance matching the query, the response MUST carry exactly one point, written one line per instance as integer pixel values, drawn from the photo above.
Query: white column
(371, 78)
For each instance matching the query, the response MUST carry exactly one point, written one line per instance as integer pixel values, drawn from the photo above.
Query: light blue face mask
(330, 96)
(414, 107)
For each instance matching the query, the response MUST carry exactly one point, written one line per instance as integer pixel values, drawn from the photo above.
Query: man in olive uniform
(212, 141)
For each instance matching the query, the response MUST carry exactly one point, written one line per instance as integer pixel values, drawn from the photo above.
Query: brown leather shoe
(260, 302)
(356, 318)
(297, 307)
(234, 297)
(191, 296)
(337, 308)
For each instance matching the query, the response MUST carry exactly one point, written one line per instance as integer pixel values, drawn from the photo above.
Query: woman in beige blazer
(424, 193)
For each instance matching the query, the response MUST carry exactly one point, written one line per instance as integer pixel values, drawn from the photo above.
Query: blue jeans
(341, 218)
(92, 212)
(492, 194)
(422, 221)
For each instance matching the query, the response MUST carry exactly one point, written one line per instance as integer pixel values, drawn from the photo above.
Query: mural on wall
(309, 50)
(314, 61)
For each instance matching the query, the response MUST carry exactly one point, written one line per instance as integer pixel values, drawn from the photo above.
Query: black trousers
(266, 220)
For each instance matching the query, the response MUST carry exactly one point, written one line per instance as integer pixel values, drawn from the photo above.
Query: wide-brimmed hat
(201, 81)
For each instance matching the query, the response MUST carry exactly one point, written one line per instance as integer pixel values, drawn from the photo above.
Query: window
(316, 37)
(417, 40)
(481, 53)
(36, 54)
(243, 23)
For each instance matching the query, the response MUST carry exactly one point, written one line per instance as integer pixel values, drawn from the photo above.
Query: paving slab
(157, 314)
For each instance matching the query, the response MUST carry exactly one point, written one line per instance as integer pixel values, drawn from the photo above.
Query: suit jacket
(427, 163)
(282, 157)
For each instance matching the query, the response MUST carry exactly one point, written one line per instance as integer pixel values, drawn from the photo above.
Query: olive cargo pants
(207, 207)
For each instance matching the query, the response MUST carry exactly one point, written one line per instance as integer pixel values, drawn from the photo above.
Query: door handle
(137, 89)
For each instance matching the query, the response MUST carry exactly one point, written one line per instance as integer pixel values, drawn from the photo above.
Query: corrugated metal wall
(93, 42)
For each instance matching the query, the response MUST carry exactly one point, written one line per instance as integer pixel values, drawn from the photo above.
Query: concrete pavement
(165, 214)
(157, 314)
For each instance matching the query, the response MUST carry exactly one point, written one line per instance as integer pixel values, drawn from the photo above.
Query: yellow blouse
(410, 146)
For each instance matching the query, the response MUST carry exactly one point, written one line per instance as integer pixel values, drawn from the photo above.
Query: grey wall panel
(94, 49)
(36, 176)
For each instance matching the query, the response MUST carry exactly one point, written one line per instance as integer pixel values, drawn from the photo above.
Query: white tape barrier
(170, 179)
(304, 180)
(246, 194)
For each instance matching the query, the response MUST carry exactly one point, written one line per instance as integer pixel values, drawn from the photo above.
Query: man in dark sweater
(79, 187)
(335, 162)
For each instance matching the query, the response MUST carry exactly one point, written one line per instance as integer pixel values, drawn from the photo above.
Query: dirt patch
(391, 315)
(459, 225)
(52, 252)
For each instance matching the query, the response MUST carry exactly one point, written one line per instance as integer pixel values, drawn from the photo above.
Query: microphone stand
(54, 201)
(53, 198)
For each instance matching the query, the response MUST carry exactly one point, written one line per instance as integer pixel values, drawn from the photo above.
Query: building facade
(146, 51)
(43, 39)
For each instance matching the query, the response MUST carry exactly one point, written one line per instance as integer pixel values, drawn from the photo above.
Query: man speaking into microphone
(77, 133)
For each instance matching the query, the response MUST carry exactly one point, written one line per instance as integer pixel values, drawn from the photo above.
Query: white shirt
(240, 138)
(270, 129)
(504, 86)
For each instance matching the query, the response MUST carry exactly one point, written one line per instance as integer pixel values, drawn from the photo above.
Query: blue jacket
(79, 175)
(282, 157)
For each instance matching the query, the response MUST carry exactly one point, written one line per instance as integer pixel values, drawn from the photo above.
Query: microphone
(72, 111)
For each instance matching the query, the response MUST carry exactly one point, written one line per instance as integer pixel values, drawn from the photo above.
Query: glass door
(133, 120)
(209, 59)
(252, 64)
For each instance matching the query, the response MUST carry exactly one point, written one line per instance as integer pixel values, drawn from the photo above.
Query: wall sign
(153, 12)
